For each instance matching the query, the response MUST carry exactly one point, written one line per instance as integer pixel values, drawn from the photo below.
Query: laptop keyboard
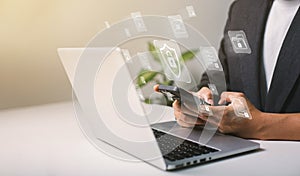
(174, 148)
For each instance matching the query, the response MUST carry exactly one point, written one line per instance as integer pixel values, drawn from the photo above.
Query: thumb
(206, 94)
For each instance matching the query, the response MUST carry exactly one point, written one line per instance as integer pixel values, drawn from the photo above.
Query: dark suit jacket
(245, 73)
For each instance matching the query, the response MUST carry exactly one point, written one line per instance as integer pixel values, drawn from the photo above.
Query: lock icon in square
(171, 60)
(239, 42)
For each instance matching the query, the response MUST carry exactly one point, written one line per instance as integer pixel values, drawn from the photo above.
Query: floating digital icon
(210, 58)
(171, 60)
(208, 111)
(143, 58)
(126, 55)
(205, 109)
(239, 42)
(240, 107)
(139, 22)
(213, 89)
(217, 65)
(191, 11)
(170, 57)
(178, 26)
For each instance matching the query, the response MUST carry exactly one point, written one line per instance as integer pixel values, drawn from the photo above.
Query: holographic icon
(210, 58)
(126, 55)
(205, 109)
(239, 42)
(240, 107)
(171, 60)
(191, 11)
(139, 22)
(178, 26)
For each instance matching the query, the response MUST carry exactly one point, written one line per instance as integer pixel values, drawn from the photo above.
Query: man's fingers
(228, 96)
(191, 119)
(215, 116)
(184, 124)
(176, 105)
(185, 110)
(224, 98)
(206, 94)
(184, 119)
(155, 88)
(189, 122)
(188, 111)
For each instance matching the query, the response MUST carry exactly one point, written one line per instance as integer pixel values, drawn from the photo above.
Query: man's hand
(223, 117)
(187, 117)
(261, 126)
(227, 120)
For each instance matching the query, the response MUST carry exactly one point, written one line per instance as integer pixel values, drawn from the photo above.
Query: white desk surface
(46, 140)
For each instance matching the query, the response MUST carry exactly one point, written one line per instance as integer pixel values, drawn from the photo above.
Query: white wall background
(32, 30)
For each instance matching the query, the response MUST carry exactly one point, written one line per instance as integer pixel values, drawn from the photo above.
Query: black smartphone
(182, 95)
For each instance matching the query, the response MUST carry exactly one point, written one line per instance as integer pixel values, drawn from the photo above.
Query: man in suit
(267, 78)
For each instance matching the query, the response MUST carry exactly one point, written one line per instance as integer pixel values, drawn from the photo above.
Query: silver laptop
(111, 112)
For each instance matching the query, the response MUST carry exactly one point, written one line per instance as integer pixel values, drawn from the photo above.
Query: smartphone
(182, 95)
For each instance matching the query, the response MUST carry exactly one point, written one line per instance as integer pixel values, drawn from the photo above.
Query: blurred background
(32, 30)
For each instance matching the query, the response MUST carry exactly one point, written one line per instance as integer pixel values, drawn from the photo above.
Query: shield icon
(171, 60)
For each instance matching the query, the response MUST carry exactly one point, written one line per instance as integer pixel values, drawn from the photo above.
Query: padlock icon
(239, 42)
(171, 60)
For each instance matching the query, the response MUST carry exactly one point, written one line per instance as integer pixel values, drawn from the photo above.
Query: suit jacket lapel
(287, 69)
(250, 63)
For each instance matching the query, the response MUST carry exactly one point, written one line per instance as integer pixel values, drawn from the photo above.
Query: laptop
(114, 114)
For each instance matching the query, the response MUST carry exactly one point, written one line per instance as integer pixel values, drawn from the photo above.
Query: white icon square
(191, 11)
(239, 42)
(178, 26)
(139, 22)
